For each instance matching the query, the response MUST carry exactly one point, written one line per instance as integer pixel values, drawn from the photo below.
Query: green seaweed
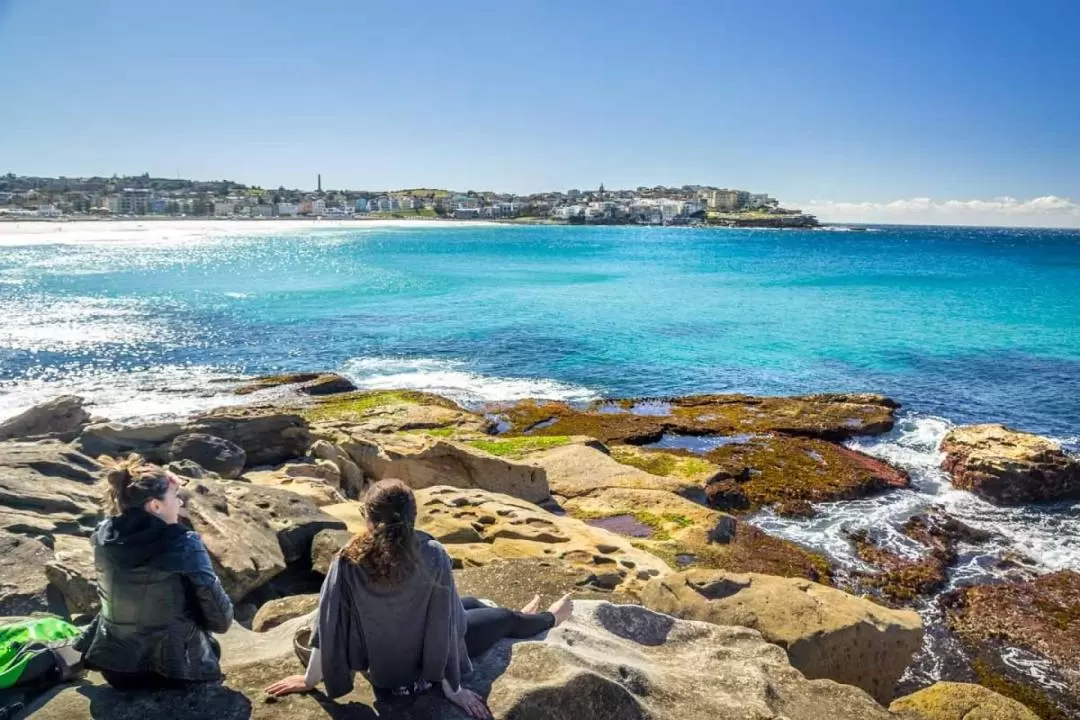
(517, 446)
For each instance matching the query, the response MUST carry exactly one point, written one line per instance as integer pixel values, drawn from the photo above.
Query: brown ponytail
(132, 482)
(387, 551)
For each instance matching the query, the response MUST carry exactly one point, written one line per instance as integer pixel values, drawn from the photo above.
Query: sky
(881, 111)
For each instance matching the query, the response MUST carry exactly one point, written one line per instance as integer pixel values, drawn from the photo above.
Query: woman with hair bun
(389, 609)
(160, 597)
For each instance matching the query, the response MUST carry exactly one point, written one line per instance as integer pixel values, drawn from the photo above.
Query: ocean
(961, 325)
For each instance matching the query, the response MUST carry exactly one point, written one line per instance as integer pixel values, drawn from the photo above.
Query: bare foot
(562, 609)
(532, 606)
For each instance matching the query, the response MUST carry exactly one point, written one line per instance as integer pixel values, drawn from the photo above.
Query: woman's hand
(287, 686)
(468, 701)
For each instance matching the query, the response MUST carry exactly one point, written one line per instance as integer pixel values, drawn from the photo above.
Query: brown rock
(351, 478)
(581, 467)
(1041, 617)
(317, 491)
(1009, 467)
(61, 416)
(826, 632)
(959, 701)
(71, 571)
(215, 454)
(46, 489)
(24, 587)
(422, 461)
(272, 381)
(282, 610)
(117, 440)
(267, 436)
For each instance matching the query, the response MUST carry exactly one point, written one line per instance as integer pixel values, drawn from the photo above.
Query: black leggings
(487, 625)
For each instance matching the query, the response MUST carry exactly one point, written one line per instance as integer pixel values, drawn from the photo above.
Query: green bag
(17, 639)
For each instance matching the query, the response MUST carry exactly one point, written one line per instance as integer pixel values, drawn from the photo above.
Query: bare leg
(562, 609)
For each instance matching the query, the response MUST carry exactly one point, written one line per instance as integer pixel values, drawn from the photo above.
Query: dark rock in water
(1010, 626)
(62, 416)
(212, 453)
(723, 531)
(306, 383)
(1009, 467)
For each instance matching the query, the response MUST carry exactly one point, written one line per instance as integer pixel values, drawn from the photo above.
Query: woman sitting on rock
(389, 609)
(160, 597)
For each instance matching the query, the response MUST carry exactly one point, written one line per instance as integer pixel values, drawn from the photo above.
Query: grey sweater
(396, 636)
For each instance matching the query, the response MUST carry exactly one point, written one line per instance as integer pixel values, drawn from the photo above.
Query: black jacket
(160, 600)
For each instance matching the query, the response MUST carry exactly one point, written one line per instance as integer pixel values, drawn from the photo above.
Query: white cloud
(1047, 211)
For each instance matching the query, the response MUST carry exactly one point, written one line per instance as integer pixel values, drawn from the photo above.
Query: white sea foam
(159, 393)
(1048, 535)
(454, 380)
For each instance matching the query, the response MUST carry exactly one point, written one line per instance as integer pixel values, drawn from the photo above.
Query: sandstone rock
(832, 417)
(71, 571)
(60, 416)
(278, 611)
(827, 633)
(322, 470)
(325, 547)
(391, 411)
(581, 468)
(191, 469)
(252, 532)
(116, 440)
(46, 488)
(1038, 619)
(512, 583)
(267, 437)
(607, 663)
(1009, 467)
(422, 462)
(351, 477)
(479, 527)
(24, 587)
(959, 701)
(663, 514)
(319, 492)
(211, 453)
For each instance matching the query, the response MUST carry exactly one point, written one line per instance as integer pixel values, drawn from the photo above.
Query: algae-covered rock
(959, 701)
(1009, 467)
(827, 633)
(778, 469)
(835, 417)
(1035, 621)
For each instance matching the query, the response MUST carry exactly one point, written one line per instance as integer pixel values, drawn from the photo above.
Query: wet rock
(959, 701)
(793, 472)
(60, 417)
(306, 383)
(211, 453)
(1038, 620)
(1009, 467)
(827, 633)
(833, 417)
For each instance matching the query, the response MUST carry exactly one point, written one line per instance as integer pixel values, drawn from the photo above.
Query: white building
(224, 208)
(318, 207)
(285, 209)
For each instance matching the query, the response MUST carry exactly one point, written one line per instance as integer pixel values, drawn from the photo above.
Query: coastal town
(142, 196)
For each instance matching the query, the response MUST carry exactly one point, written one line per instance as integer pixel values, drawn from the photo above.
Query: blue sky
(866, 107)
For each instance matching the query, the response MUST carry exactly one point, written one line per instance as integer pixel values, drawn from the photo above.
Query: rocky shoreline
(640, 505)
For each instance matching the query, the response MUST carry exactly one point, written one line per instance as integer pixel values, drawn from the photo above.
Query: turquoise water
(965, 324)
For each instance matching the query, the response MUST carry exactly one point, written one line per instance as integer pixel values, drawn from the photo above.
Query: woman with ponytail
(160, 597)
(389, 609)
